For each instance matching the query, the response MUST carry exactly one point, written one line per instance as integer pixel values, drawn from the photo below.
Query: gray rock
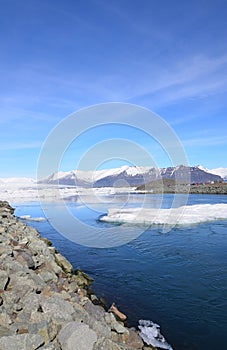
(100, 328)
(6, 330)
(77, 336)
(40, 328)
(56, 307)
(38, 247)
(5, 319)
(80, 315)
(106, 344)
(48, 347)
(134, 341)
(63, 263)
(95, 310)
(4, 279)
(48, 276)
(21, 342)
(114, 324)
(2, 230)
(24, 257)
(21, 285)
(5, 249)
(118, 327)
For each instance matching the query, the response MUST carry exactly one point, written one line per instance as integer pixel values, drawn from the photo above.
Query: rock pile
(43, 304)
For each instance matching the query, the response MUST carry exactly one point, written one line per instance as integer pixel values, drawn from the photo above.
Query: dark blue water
(177, 279)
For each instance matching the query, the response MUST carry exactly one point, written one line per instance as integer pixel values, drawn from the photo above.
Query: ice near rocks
(150, 333)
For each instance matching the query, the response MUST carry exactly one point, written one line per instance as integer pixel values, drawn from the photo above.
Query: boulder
(40, 328)
(4, 279)
(63, 263)
(106, 344)
(57, 308)
(21, 342)
(77, 336)
(24, 257)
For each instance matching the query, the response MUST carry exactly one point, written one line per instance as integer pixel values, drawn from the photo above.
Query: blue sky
(59, 56)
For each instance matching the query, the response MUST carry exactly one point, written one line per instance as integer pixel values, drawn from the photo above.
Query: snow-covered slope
(17, 181)
(217, 171)
(220, 171)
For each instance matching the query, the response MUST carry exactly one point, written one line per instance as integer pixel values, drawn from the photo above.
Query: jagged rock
(6, 330)
(24, 257)
(96, 311)
(77, 336)
(41, 329)
(31, 302)
(5, 319)
(48, 276)
(47, 242)
(2, 230)
(5, 249)
(50, 264)
(119, 338)
(99, 327)
(134, 341)
(83, 279)
(63, 263)
(21, 342)
(114, 324)
(48, 347)
(119, 328)
(80, 314)
(106, 344)
(38, 247)
(4, 279)
(21, 285)
(5, 205)
(56, 307)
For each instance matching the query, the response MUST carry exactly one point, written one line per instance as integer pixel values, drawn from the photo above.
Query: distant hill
(170, 186)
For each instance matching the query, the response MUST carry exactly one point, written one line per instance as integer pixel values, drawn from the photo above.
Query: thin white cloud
(22, 145)
(205, 141)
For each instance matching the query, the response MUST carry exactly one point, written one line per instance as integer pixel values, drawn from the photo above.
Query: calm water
(177, 279)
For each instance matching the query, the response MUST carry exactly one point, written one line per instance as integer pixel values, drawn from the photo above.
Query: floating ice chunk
(184, 215)
(150, 333)
(29, 218)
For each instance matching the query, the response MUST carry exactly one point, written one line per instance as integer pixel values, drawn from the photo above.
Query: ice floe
(184, 215)
(16, 190)
(150, 333)
(29, 218)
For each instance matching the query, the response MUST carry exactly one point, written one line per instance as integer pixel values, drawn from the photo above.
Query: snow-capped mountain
(130, 176)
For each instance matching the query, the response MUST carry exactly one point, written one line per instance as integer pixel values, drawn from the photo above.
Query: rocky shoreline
(169, 186)
(44, 304)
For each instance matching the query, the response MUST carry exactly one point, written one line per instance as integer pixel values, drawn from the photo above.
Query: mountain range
(135, 176)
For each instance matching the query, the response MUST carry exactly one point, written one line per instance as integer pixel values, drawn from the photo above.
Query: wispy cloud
(18, 146)
(205, 141)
